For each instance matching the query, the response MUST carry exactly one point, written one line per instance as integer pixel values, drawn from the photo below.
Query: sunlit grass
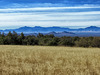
(46, 60)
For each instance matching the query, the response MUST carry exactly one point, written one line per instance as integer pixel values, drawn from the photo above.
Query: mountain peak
(92, 27)
(52, 32)
(25, 27)
(37, 27)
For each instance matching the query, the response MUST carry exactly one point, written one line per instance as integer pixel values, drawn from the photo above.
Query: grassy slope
(45, 60)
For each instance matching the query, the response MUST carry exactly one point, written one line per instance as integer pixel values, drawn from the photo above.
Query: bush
(96, 42)
(83, 42)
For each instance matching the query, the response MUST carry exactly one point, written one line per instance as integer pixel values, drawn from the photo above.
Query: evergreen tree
(21, 39)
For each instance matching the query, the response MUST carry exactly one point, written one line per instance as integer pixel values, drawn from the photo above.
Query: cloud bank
(64, 13)
(54, 16)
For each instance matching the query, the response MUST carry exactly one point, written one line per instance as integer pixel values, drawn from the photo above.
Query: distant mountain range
(38, 29)
(57, 31)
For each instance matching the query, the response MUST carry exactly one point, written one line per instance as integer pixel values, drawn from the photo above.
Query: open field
(46, 60)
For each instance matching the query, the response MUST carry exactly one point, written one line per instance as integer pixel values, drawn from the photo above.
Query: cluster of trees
(48, 40)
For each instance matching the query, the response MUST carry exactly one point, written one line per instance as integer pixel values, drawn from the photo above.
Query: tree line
(48, 40)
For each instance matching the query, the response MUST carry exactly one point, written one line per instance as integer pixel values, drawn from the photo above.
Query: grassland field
(48, 60)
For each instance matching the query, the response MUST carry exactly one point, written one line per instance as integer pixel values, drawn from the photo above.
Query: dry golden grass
(45, 60)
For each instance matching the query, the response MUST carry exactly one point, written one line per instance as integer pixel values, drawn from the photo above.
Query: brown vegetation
(46, 60)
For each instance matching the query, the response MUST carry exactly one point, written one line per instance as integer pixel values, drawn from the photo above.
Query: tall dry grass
(45, 60)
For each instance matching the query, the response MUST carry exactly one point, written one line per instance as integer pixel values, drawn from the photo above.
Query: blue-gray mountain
(38, 29)
(57, 31)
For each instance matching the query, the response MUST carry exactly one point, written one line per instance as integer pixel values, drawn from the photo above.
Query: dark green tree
(83, 42)
(66, 41)
(40, 35)
(21, 39)
(96, 42)
(9, 38)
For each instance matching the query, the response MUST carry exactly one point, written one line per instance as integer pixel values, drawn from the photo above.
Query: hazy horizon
(15, 27)
(72, 14)
(70, 27)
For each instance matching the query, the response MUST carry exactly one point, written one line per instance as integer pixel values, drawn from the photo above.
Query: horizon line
(53, 26)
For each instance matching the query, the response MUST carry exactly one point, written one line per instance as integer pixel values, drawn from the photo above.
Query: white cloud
(45, 8)
(50, 16)
(47, 18)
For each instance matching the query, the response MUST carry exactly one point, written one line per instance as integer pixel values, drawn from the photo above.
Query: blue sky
(64, 13)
